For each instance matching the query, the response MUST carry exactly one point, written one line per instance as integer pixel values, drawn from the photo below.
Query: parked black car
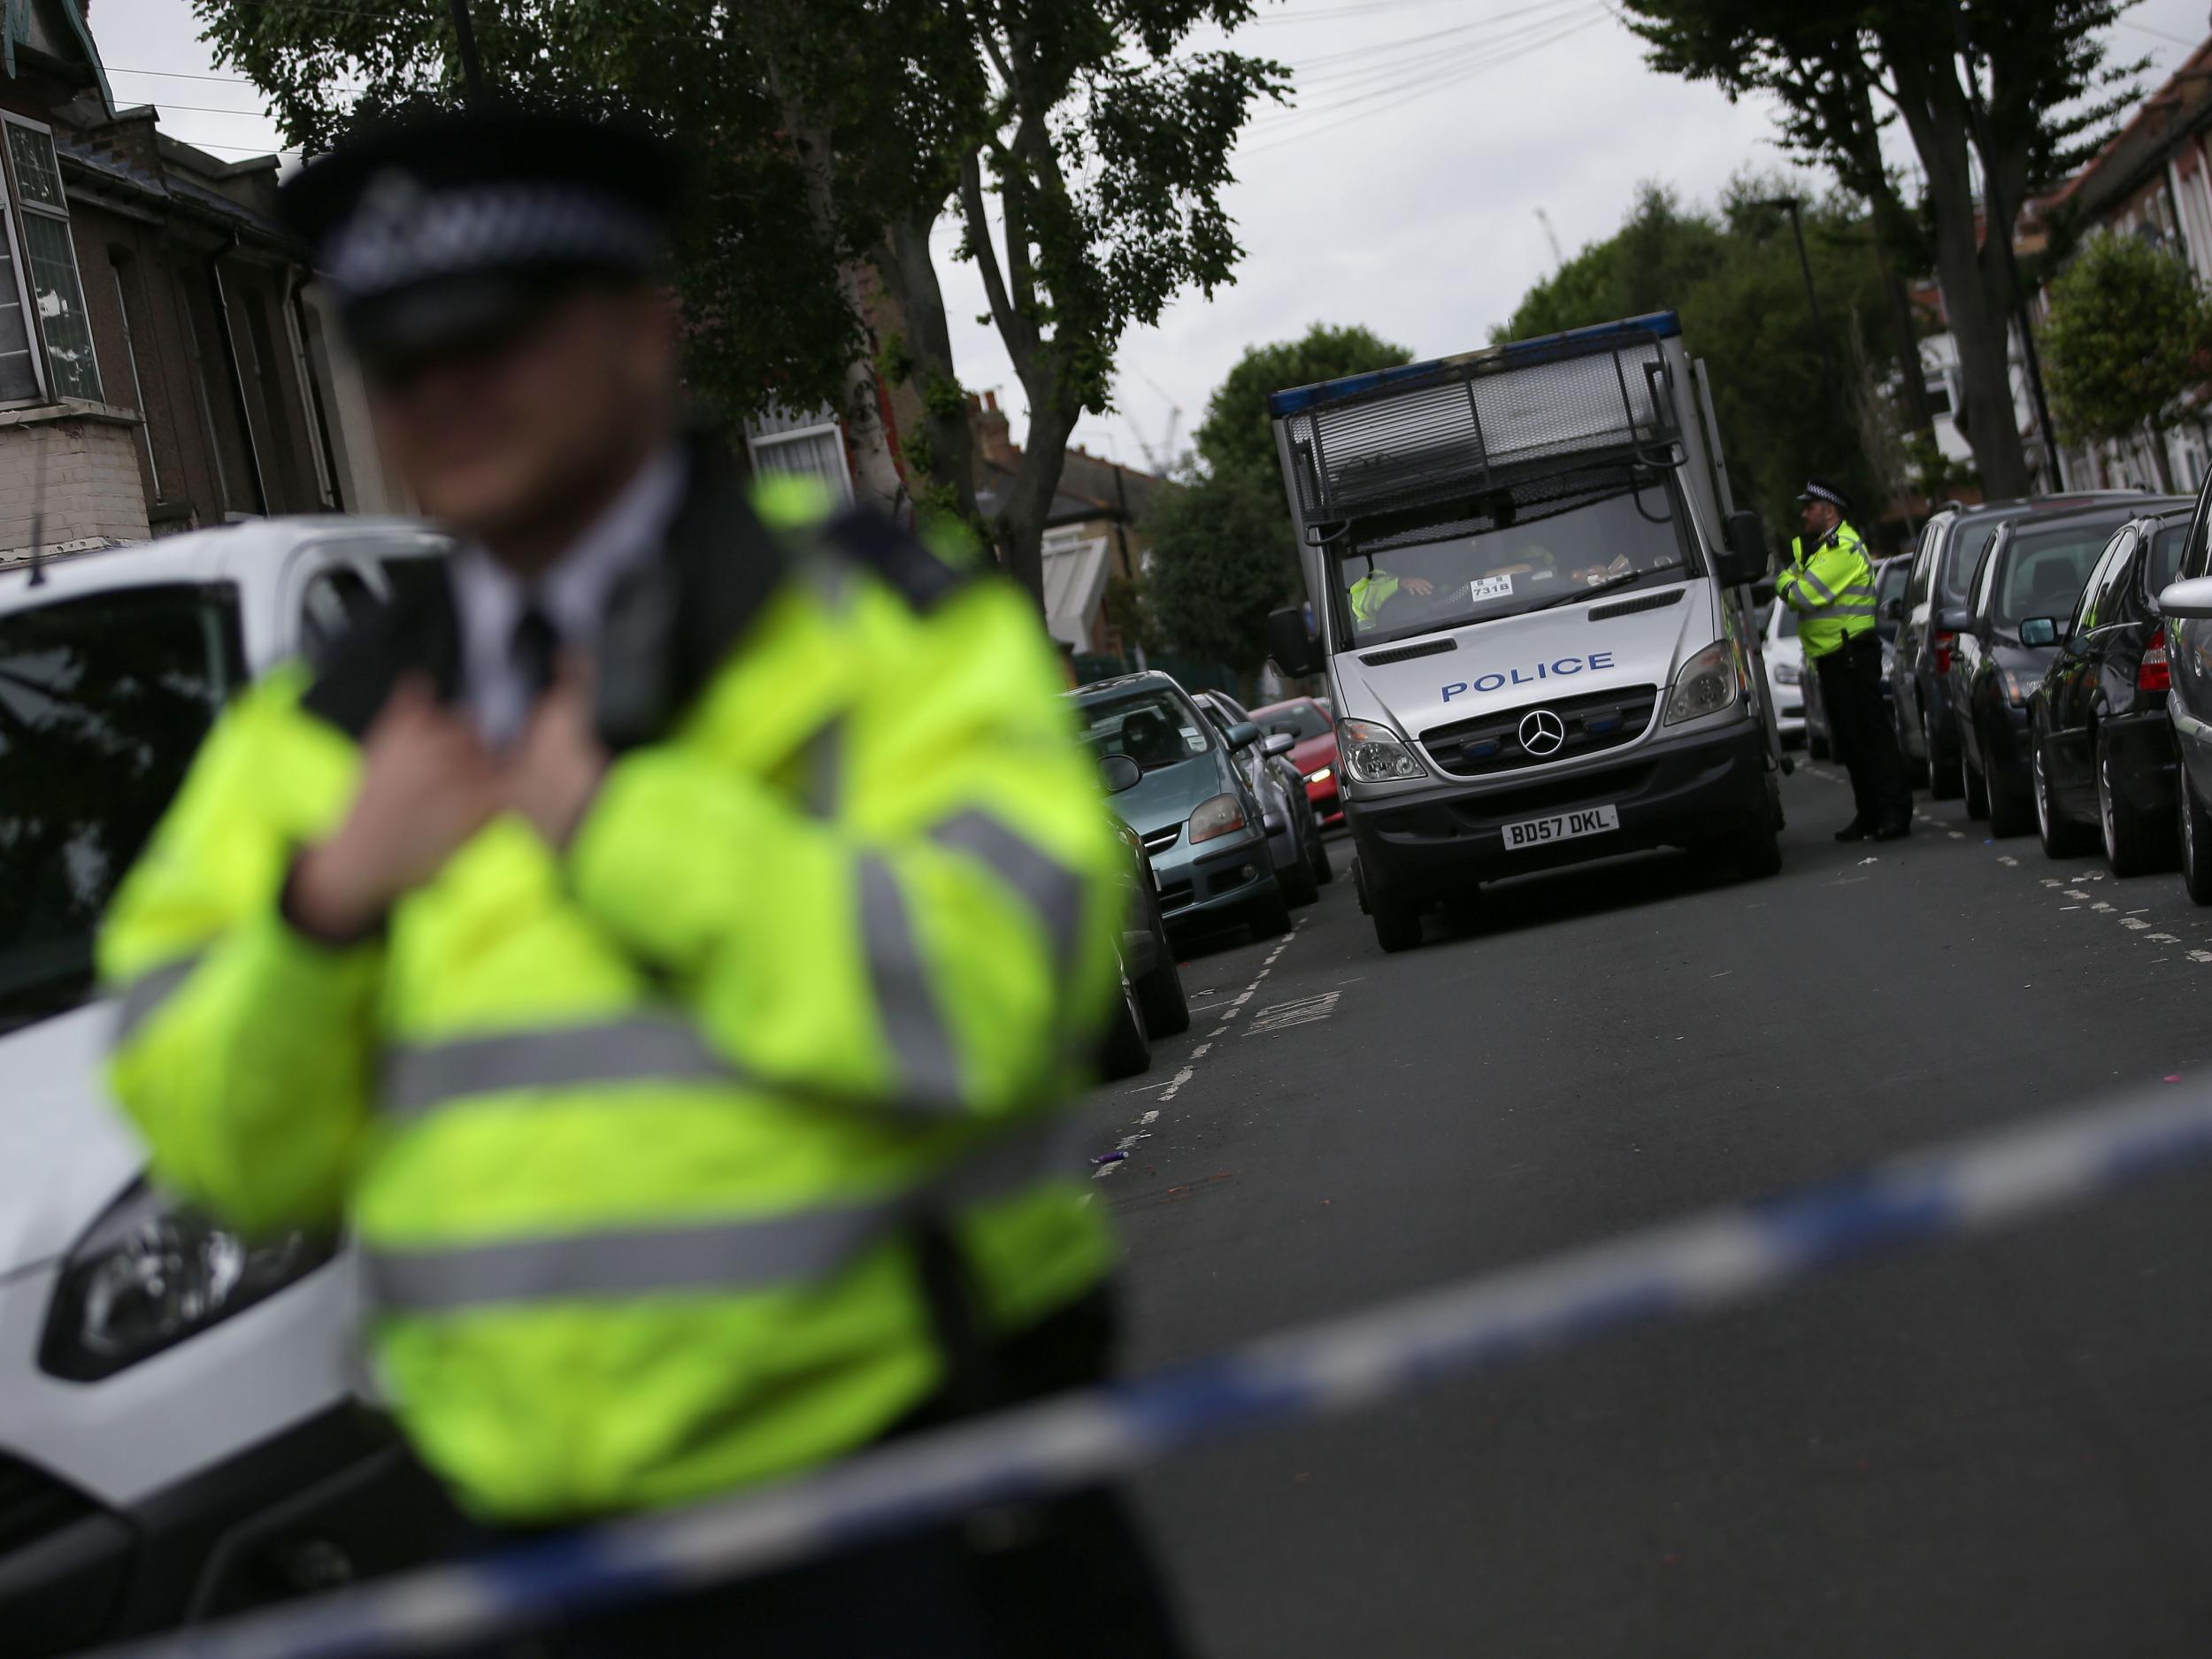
(1940, 578)
(1889, 604)
(2102, 748)
(1152, 1000)
(2035, 566)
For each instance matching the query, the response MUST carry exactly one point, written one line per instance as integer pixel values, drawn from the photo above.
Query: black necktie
(536, 647)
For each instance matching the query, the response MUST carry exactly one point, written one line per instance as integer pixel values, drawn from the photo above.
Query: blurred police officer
(667, 944)
(1829, 582)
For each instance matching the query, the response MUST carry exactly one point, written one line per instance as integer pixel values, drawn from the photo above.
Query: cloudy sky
(1402, 191)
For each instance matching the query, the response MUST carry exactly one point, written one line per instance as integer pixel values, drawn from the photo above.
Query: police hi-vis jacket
(637, 1139)
(1833, 592)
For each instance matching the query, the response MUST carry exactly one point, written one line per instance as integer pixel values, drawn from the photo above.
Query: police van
(1529, 588)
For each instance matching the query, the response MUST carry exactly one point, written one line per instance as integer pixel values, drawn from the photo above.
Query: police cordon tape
(1704, 1262)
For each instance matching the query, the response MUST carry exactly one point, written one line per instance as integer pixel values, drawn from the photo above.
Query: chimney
(993, 432)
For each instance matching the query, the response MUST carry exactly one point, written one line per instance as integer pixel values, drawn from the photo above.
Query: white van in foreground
(179, 1429)
(1519, 564)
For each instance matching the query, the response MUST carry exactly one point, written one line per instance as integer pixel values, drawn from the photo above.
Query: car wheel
(2061, 836)
(1972, 786)
(1160, 993)
(1816, 744)
(1324, 872)
(1127, 1051)
(1943, 771)
(1756, 853)
(2196, 843)
(1397, 924)
(1271, 912)
(1916, 767)
(2132, 845)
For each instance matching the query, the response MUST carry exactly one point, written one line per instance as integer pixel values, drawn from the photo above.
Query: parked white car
(180, 1430)
(1784, 655)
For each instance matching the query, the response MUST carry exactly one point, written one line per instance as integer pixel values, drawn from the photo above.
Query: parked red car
(1305, 719)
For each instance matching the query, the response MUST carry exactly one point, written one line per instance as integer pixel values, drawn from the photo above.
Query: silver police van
(1528, 586)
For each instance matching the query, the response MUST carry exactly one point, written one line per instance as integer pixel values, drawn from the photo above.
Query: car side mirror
(1243, 734)
(1119, 772)
(2040, 630)
(1957, 619)
(2187, 602)
(1280, 744)
(1744, 559)
(1893, 609)
(1290, 644)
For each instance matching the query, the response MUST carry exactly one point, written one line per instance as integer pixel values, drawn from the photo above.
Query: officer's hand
(427, 784)
(1420, 586)
(556, 770)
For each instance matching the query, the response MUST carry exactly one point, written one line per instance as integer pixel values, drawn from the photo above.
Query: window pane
(61, 315)
(19, 370)
(819, 455)
(103, 701)
(35, 173)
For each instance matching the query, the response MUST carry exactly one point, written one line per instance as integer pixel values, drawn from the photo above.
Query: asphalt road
(1998, 1449)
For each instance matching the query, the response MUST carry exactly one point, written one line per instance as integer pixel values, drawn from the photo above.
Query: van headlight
(1369, 752)
(1224, 815)
(152, 1272)
(1707, 684)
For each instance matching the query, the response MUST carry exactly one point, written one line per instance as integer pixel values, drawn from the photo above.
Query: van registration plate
(1538, 831)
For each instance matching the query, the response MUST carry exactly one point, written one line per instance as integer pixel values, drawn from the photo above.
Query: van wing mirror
(2187, 602)
(1290, 644)
(1744, 559)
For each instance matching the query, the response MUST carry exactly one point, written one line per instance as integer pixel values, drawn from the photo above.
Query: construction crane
(1551, 237)
(1161, 460)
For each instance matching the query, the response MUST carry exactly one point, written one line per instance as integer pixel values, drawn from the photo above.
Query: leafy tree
(2049, 93)
(2129, 335)
(828, 134)
(1223, 551)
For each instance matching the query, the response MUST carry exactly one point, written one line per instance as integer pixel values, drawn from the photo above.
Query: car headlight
(1322, 776)
(152, 1272)
(1706, 685)
(1369, 752)
(1224, 815)
(1787, 673)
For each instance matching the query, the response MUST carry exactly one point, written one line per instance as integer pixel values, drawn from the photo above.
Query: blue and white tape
(1712, 1260)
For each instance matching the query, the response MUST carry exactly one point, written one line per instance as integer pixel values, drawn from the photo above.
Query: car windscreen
(1301, 720)
(1154, 727)
(1545, 541)
(2162, 569)
(103, 700)
(2043, 571)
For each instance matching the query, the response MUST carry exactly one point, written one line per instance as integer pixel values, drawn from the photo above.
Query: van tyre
(1397, 924)
(1127, 1051)
(1324, 872)
(2133, 844)
(1756, 853)
(1271, 912)
(2196, 841)
(2061, 836)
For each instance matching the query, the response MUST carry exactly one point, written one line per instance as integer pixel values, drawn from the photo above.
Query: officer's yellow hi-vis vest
(636, 1140)
(1833, 592)
(1370, 594)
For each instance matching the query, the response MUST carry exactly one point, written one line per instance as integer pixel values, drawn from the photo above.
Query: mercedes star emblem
(1542, 732)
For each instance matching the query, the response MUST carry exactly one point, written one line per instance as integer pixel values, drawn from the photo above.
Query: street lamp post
(1790, 205)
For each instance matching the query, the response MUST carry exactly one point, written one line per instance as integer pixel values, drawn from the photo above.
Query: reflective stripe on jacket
(636, 1140)
(1833, 592)
(1370, 594)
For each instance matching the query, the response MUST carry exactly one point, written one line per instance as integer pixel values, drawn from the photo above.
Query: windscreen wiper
(1575, 596)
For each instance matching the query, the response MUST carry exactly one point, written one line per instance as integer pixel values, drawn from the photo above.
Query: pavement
(2000, 1448)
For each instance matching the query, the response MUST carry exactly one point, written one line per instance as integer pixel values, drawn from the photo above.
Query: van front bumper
(1680, 793)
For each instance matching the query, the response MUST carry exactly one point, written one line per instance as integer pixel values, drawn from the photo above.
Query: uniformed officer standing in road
(669, 945)
(1830, 584)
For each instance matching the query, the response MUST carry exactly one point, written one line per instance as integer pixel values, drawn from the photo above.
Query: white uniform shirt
(573, 592)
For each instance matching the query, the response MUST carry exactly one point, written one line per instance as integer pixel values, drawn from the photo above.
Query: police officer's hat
(1820, 489)
(440, 233)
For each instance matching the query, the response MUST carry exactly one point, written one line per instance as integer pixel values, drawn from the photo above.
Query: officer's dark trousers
(1859, 726)
(1067, 1579)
